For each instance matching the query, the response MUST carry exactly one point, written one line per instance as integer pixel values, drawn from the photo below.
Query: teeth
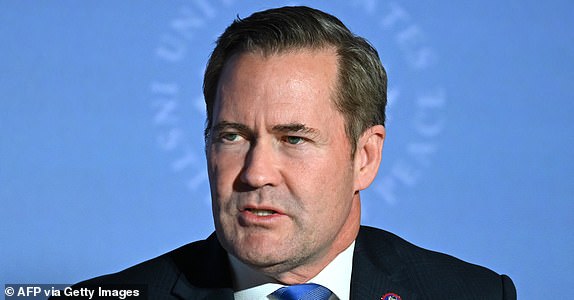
(261, 212)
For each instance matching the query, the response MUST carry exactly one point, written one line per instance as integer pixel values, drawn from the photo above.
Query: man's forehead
(307, 71)
(262, 57)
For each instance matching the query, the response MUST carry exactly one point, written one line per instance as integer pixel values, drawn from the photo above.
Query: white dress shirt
(249, 284)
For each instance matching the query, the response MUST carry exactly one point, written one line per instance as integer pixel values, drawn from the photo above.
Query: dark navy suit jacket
(382, 263)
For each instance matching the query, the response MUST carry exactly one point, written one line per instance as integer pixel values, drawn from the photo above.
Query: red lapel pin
(391, 296)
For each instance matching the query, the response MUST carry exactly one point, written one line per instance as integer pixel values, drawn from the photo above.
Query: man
(295, 130)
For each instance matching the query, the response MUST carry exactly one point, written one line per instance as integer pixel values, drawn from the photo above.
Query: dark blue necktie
(306, 291)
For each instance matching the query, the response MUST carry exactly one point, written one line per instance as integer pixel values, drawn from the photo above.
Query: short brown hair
(362, 80)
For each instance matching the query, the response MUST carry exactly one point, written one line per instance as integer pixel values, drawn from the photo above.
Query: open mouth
(261, 212)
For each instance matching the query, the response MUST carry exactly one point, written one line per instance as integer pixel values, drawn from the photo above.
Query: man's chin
(258, 256)
(259, 248)
(262, 256)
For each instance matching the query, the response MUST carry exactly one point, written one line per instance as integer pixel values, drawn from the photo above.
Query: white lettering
(52, 292)
(436, 100)
(395, 15)
(194, 182)
(189, 158)
(410, 40)
(164, 88)
(166, 112)
(82, 292)
(185, 24)
(427, 123)
(369, 5)
(206, 7)
(387, 189)
(172, 49)
(405, 173)
(422, 152)
(170, 139)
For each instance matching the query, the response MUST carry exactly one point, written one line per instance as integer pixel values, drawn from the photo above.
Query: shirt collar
(336, 276)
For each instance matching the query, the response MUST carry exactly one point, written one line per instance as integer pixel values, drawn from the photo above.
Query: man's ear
(368, 156)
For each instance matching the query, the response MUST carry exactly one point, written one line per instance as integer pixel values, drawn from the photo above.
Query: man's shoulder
(426, 270)
(197, 265)
(410, 254)
(164, 267)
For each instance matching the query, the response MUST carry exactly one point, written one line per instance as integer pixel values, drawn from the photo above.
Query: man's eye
(230, 137)
(294, 140)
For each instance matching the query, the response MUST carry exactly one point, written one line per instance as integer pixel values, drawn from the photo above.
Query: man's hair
(361, 92)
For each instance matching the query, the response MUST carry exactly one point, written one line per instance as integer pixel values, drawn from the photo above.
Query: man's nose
(261, 166)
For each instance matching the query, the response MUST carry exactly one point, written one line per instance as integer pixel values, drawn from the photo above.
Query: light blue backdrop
(101, 118)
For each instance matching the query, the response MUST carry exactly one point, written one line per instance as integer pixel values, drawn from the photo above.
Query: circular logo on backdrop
(415, 101)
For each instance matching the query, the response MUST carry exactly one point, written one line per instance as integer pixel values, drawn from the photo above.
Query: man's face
(280, 169)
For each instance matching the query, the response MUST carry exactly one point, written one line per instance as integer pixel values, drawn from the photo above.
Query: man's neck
(252, 284)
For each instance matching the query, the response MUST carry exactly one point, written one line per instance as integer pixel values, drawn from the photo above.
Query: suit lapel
(183, 290)
(205, 272)
(377, 270)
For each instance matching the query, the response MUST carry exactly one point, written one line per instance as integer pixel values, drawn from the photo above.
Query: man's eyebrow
(281, 128)
(230, 125)
(294, 127)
